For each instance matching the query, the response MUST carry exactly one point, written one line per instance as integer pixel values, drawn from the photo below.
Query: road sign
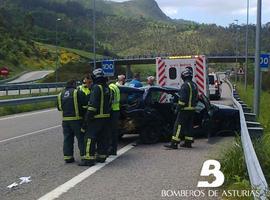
(264, 62)
(108, 67)
(4, 71)
(240, 71)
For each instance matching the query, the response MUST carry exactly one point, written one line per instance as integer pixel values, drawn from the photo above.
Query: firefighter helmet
(186, 74)
(98, 73)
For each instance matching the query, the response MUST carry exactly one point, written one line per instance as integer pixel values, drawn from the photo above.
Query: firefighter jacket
(188, 95)
(85, 93)
(99, 105)
(69, 102)
(116, 97)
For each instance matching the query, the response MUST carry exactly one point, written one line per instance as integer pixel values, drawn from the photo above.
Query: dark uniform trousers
(183, 127)
(97, 139)
(71, 129)
(114, 131)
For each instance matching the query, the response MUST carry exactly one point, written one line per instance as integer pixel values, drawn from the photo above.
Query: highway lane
(140, 173)
(32, 76)
(20, 124)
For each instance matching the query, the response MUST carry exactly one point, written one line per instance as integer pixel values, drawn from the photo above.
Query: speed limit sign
(264, 62)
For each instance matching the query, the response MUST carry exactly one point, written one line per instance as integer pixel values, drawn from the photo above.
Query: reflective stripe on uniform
(92, 109)
(189, 138)
(68, 157)
(102, 116)
(177, 135)
(189, 107)
(181, 103)
(75, 99)
(102, 99)
(87, 151)
(59, 102)
(71, 118)
(85, 89)
(101, 109)
(116, 99)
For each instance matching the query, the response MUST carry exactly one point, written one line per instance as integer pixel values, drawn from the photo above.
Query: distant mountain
(133, 8)
(143, 8)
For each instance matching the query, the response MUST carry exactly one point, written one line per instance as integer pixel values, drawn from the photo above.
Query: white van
(214, 86)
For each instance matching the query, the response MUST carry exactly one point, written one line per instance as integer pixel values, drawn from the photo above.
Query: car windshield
(211, 79)
(160, 97)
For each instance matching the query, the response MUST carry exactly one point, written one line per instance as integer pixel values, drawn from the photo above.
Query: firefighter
(115, 113)
(121, 79)
(69, 102)
(188, 96)
(97, 120)
(85, 90)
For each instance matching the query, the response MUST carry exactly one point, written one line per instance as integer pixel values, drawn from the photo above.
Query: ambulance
(168, 71)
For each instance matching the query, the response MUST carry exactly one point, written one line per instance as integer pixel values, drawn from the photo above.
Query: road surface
(31, 145)
(32, 76)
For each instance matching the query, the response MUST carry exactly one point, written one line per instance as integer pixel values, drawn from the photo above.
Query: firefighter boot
(173, 145)
(71, 160)
(101, 159)
(186, 144)
(88, 163)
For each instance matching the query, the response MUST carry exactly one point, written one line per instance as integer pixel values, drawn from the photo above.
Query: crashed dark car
(146, 112)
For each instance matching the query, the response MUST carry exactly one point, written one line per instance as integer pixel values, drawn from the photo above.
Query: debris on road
(25, 180)
(12, 185)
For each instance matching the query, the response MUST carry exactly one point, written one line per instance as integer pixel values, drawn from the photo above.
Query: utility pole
(246, 66)
(56, 48)
(94, 32)
(257, 81)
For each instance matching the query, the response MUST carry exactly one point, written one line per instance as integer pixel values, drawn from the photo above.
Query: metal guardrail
(255, 172)
(30, 86)
(14, 102)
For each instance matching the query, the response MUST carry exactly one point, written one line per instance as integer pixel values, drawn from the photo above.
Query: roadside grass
(234, 169)
(9, 110)
(233, 162)
(262, 147)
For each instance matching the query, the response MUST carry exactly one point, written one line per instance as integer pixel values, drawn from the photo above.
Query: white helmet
(98, 73)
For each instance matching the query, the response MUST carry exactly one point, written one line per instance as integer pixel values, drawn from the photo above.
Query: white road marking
(57, 192)
(28, 114)
(32, 133)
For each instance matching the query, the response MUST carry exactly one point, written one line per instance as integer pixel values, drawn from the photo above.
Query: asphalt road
(31, 145)
(32, 76)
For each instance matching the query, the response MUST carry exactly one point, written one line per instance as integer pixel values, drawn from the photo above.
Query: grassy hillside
(129, 28)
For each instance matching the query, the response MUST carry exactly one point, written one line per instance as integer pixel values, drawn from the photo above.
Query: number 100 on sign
(264, 62)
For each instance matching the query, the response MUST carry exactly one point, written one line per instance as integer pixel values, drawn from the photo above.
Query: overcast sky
(221, 12)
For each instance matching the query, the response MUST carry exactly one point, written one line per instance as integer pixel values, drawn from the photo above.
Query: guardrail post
(6, 91)
(19, 91)
(39, 89)
(48, 89)
(30, 90)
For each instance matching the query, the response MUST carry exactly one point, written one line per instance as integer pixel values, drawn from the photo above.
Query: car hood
(224, 106)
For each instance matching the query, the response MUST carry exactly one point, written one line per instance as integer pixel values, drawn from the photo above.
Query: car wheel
(150, 134)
